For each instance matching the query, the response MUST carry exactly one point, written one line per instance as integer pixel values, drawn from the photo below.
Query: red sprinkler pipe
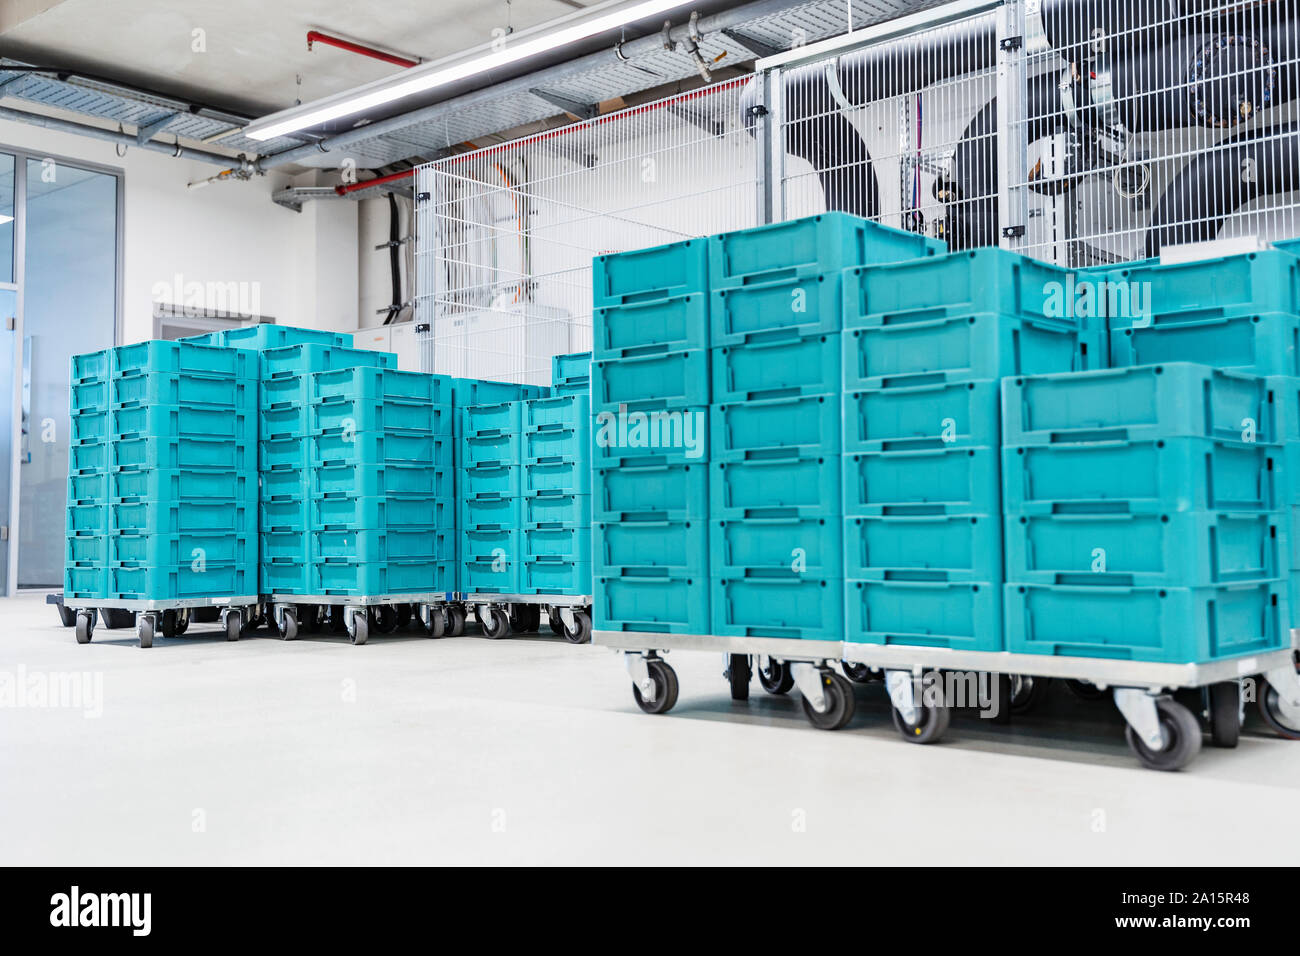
(366, 184)
(315, 36)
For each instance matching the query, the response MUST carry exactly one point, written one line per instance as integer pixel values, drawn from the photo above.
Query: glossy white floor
(465, 750)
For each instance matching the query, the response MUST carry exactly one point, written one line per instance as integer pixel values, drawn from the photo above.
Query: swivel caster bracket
(1286, 681)
(808, 678)
(1139, 709)
(639, 671)
(902, 694)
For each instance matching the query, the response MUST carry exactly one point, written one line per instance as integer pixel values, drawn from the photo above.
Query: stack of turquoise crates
(162, 469)
(1142, 514)
(925, 345)
(650, 394)
(555, 503)
(571, 374)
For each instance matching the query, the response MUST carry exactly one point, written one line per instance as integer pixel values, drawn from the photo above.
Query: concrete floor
(470, 751)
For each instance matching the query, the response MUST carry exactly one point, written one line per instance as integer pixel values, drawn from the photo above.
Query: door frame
(21, 155)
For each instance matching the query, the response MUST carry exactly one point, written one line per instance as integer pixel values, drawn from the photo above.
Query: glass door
(8, 368)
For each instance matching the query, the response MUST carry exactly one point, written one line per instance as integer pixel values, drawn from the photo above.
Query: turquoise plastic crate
(176, 517)
(265, 336)
(376, 386)
(900, 482)
(390, 478)
(675, 489)
(495, 480)
(655, 603)
(962, 615)
(284, 576)
(486, 421)
(488, 577)
(1175, 474)
(554, 576)
(557, 411)
(390, 415)
(92, 366)
(562, 542)
(1168, 625)
(977, 346)
(285, 390)
(167, 388)
(371, 546)
(939, 547)
(183, 421)
(650, 540)
(168, 453)
(802, 305)
(89, 428)
(568, 477)
(377, 513)
(942, 414)
(962, 283)
(284, 482)
(551, 507)
(373, 578)
(1289, 246)
(794, 364)
(162, 484)
(197, 549)
(494, 449)
(677, 434)
(85, 550)
(302, 359)
(89, 396)
(85, 583)
(499, 513)
(652, 326)
(1175, 549)
(1148, 401)
(650, 273)
(182, 358)
(286, 514)
(662, 380)
(88, 488)
(797, 546)
(831, 241)
(472, 391)
(575, 366)
(1266, 281)
(379, 448)
(789, 606)
(809, 423)
(274, 546)
(573, 387)
(558, 445)
(88, 457)
(86, 518)
(181, 582)
(810, 484)
(1263, 343)
(206, 338)
(284, 421)
(274, 453)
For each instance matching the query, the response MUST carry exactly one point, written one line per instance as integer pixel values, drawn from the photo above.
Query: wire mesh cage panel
(506, 234)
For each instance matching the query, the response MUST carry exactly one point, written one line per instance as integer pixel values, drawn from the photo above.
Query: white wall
(300, 268)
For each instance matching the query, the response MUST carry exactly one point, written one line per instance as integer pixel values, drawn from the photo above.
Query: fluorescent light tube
(420, 79)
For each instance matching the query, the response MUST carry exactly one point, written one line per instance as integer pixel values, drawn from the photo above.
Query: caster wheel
(289, 627)
(931, 724)
(144, 629)
(437, 622)
(456, 621)
(1027, 692)
(337, 621)
(775, 676)
(307, 617)
(665, 680)
(250, 619)
(85, 624)
(234, 624)
(1270, 708)
(67, 616)
(182, 623)
(385, 619)
(1001, 688)
(581, 632)
(168, 624)
(1182, 738)
(496, 623)
(1224, 701)
(839, 703)
(738, 675)
(858, 673)
(553, 618)
(359, 626)
(534, 619)
(1085, 691)
(403, 612)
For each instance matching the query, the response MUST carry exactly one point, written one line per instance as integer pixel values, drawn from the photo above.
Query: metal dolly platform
(171, 617)
(568, 614)
(358, 612)
(1163, 733)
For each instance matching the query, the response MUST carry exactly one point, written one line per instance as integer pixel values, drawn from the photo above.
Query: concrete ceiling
(254, 50)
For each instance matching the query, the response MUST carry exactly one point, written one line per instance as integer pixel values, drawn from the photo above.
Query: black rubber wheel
(359, 626)
(234, 624)
(581, 632)
(385, 619)
(456, 620)
(931, 723)
(182, 622)
(840, 703)
(665, 680)
(858, 673)
(337, 622)
(250, 619)
(67, 616)
(496, 623)
(1027, 692)
(85, 625)
(1224, 705)
(1182, 738)
(775, 676)
(288, 625)
(553, 618)
(144, 629)
(739, 674)
(1270, 710)
(403, 612)
(437, 625)
(1085, 691)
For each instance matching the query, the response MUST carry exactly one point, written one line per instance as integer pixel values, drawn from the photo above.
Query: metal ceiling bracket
(145, 133)
(580, 110)
(756, 46)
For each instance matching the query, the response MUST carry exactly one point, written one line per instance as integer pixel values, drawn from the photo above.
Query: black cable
(394, 259)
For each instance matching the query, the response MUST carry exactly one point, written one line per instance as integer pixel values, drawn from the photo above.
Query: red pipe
(353, 187)
(315, 36)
